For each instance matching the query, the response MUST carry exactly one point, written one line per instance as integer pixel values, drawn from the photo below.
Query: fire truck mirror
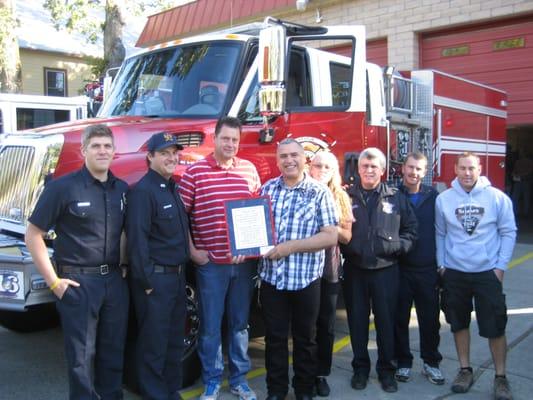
(271, 100)
(272, 55)
(271, 70)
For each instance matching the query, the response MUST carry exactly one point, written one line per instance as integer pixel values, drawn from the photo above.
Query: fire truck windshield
(185, 81)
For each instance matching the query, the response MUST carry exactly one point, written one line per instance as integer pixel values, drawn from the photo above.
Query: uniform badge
(388, 208)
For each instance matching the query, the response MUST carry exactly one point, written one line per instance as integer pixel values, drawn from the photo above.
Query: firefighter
(86, 209)
(158, 248)
(386, 228)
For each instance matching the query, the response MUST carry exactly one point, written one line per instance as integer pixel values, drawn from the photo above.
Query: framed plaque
(250, 226)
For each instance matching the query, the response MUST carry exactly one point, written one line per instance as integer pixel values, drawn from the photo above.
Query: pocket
(80, 209)
(167, 221)
(70, 296)
(388, 243)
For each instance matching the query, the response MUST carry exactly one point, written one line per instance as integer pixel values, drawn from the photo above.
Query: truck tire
(35, 318)
(190, 360)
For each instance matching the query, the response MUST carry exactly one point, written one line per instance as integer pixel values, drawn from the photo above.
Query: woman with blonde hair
(325, 168)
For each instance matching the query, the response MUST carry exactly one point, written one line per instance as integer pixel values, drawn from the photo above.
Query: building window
(55, 82)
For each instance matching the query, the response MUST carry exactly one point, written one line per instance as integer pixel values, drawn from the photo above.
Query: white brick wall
(401, 21)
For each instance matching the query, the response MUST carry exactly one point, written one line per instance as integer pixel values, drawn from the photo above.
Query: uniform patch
(388, 208)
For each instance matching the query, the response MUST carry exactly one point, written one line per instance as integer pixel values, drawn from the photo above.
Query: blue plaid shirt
(299, 212)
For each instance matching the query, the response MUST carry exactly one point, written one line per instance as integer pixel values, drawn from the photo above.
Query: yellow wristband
(55, 284)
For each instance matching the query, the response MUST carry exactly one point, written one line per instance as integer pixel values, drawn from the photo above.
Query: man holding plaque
(224, 283)
(305, 222)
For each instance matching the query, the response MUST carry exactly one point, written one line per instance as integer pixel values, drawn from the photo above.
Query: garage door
(376, 51)
(499, 55)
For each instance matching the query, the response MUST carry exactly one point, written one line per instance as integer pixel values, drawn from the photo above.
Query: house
(58, 63)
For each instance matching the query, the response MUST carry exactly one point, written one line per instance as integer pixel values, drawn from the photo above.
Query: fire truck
(279, 79)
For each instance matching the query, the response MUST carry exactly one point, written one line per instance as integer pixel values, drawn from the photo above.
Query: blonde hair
(342, 200)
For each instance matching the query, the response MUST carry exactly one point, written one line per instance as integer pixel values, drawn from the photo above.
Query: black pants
(420, 287)
(160, 342)
(94, 318)
(299, 310)
(377, 290)
(325, 326)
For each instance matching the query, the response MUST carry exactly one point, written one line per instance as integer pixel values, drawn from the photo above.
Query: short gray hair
(290, 140)
(373, 153)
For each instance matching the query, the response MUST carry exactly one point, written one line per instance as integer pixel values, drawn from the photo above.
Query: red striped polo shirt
(203, 188)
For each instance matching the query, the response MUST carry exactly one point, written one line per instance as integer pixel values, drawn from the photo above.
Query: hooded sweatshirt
(475, 231)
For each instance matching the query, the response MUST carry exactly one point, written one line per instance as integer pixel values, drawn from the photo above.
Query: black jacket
(377, 242)
(424, 252)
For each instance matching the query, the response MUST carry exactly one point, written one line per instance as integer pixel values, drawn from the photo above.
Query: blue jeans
(224, 288)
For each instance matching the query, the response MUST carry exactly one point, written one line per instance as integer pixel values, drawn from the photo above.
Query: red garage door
(376, 51)
(499, 55)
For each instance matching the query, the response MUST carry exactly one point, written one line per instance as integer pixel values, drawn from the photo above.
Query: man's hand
(499, 274)
(200, 257)
(62, 287)
(237, 259)
(148, 291)
(281, 250)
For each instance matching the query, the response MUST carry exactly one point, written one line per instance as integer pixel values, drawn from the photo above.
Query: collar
(88, 179)
(159, 180)
(212, 161)
(424, 189)
(302, 185)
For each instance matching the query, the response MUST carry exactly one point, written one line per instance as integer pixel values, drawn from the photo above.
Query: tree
(10, 69)
(81, 16)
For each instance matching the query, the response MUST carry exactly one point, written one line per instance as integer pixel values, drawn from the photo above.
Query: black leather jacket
(377, 242)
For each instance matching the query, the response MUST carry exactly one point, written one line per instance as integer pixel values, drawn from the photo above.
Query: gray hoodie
(475, 231)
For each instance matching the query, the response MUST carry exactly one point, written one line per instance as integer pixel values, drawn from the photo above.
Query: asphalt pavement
(32, 365)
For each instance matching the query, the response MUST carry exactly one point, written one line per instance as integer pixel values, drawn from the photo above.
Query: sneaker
(243, 391)
(211, 391)
(433, 374)
(463, 380)
(359, 380)
(388, 384)
(321, 386)
(502, 390)
(403, 374)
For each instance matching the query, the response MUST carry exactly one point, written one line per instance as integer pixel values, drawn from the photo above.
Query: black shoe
(388, 383)
(276, 397)
(322, 387)
(359, 380)
(300, 396)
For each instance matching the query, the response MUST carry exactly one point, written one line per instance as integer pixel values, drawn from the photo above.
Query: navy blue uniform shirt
(157, 227)
(87, 216)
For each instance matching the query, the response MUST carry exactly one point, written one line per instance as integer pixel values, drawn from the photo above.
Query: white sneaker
(211, 391)
(433, 374)
(403, 374)
(243, 391)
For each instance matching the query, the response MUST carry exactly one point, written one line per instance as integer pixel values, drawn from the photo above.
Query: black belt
(103, 269)
(168, 269)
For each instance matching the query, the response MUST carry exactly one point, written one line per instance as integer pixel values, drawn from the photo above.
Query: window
(28, 118)
(341, 82)
(55, 82)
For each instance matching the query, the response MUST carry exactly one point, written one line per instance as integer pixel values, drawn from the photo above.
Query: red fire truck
(278, 79)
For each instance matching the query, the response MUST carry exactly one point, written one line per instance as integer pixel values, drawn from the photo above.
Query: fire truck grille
(15, 173)
(25, 163)
(192, 139)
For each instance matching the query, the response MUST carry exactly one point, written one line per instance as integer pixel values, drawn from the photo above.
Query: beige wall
(33, 63)
(401, 21)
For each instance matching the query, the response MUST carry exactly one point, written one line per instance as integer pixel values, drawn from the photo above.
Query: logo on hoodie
(469, 217)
